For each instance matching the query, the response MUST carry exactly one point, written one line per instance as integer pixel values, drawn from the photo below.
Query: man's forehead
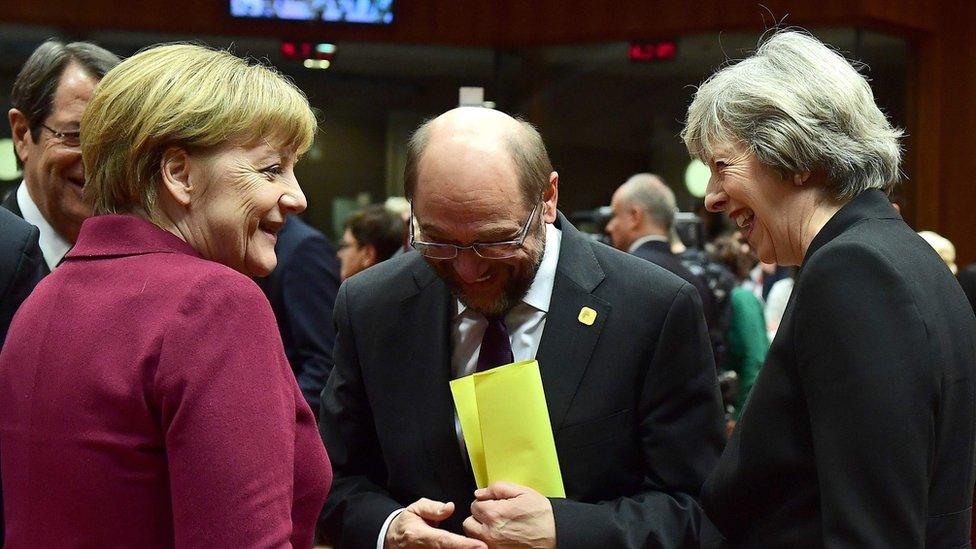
(439, 216)
(74, 90)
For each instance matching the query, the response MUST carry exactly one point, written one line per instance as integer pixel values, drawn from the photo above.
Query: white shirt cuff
(381, 540)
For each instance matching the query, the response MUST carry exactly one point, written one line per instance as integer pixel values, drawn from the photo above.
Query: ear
(175, 169)
(369, 256)
(20, 128)
(636, 215)
(800, 178)
(550, 198)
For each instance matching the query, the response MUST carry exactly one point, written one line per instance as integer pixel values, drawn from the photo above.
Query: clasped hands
(503, 516)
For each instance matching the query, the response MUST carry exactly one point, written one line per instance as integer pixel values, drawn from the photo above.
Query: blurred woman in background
(145, 398)
(745, 339)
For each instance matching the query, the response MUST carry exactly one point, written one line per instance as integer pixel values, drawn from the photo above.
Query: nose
(77, 169)
(293, 200)
(715, 198)
(469, 266)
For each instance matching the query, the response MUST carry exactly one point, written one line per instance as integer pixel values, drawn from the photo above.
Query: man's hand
(416, 526)
(507, 515)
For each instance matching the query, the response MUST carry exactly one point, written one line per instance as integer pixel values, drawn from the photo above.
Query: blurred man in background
(372, 235)
(48, 99)
(643, 218)
(302, 291)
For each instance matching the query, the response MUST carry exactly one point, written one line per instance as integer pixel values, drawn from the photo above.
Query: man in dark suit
(48, 99)
(643, 216)
(20, 270)
(501, 276)
(302, 290)
(20, 266)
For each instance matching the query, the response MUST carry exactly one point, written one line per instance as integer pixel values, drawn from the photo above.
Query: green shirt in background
(747, 342)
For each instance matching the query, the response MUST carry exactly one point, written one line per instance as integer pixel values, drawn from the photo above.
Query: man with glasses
(503, 276)
(48, 99)
(372, 235)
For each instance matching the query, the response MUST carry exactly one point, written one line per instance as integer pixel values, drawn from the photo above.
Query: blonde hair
(943, 246)
(185, 96)
(798, 106)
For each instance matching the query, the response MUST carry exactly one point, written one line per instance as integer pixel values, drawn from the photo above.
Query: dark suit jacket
(633, 400)
(659, 253)
(20, 266)
(302, 290)
(10, 203)
(859, 429)
(967, 279)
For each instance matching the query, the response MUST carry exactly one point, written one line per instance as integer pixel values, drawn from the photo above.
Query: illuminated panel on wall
(369, 12)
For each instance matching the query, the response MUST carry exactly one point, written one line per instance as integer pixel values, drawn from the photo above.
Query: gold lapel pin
(587, 316)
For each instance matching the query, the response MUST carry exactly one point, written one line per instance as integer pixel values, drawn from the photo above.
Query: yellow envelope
(506, 427)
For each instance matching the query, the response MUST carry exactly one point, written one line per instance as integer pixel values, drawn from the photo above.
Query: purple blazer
(146, 401)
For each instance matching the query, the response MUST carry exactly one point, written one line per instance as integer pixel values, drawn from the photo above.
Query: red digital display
(653, 51)
(300, 51)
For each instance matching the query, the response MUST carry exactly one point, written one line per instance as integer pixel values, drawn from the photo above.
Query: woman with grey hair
(859, 429)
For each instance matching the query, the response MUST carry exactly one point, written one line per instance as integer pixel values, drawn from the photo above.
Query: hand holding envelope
(505, 422)
(506, 427)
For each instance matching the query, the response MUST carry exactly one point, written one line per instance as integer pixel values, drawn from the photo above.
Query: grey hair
(649, 193)
(799, 106)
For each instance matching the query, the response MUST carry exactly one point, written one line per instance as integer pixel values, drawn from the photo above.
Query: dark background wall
(563, 65)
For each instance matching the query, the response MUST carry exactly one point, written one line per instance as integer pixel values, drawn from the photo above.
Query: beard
(515, 287)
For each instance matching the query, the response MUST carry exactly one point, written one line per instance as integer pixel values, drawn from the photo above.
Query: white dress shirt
(525, 322)
(644, 239)
(52, 244)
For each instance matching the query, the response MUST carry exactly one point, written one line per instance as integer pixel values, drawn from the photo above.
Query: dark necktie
(496, 349)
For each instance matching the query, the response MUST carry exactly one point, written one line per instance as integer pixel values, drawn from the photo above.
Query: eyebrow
(494, 234)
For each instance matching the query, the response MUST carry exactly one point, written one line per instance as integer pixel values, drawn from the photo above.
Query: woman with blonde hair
(145, 398)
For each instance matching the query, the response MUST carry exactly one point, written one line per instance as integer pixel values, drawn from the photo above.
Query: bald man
(502, 276)
(643, 217)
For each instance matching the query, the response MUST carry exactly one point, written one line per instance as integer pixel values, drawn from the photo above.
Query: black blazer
(633, 400)
(967, 279)
(302, 291)
(21, 265)
(659, 253)
(859, 429)
(10, 203)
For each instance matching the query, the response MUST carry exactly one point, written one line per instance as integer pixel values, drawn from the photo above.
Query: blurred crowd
(186, 362)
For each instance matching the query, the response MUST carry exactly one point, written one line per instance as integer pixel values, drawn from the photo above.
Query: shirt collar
(53, 245)
(539, 294)
(645, 239)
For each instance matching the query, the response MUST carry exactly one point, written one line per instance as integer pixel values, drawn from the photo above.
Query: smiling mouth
(743, 219)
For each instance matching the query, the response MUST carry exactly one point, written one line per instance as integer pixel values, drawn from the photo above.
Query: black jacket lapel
(568, 342)
(10, 202)
(429, 350)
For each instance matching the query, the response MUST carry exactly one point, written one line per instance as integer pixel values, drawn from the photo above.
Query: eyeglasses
(68, 139)
(486, 250)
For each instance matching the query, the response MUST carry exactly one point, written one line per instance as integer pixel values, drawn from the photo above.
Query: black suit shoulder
(399, 277)
(20, 265)
(627, 272)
